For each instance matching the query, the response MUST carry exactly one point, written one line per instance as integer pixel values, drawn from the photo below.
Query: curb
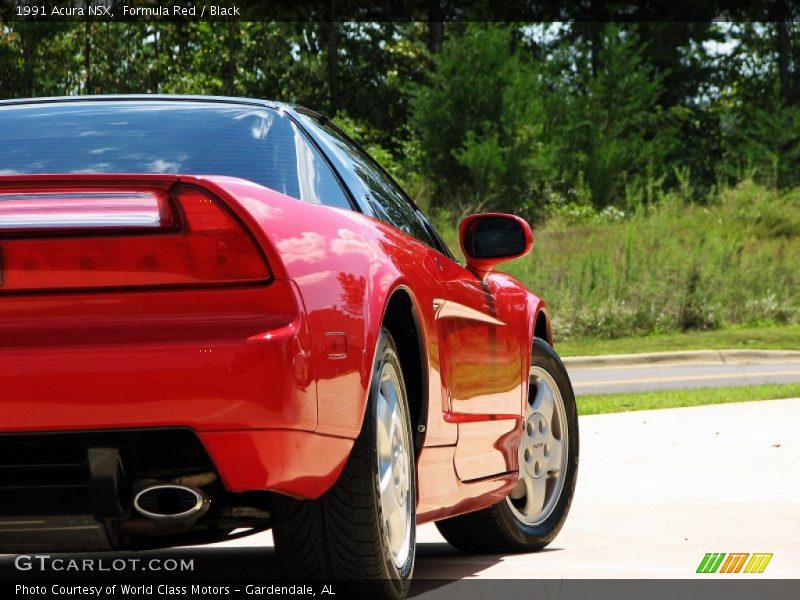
(687, 356)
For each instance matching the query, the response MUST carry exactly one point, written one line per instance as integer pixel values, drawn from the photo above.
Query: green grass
(672, 267)
(736, 337)
(593, 404)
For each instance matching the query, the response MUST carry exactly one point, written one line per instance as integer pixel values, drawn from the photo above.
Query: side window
(386, 200)
(316, 182)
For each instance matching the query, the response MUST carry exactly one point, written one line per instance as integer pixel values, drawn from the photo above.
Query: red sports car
(221, 314)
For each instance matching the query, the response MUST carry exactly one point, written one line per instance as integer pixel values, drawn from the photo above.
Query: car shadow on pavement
(439, 564)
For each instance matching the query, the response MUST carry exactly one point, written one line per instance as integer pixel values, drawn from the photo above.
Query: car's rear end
(155, 374)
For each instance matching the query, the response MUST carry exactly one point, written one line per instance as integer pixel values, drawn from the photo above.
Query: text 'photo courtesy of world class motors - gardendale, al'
(429, 299)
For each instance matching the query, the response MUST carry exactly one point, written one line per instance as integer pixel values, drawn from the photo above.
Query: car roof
(152, 98)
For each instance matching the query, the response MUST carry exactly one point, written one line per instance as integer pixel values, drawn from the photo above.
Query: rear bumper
(49, 473)
(73, 490)
(298, 463)
(232, 365)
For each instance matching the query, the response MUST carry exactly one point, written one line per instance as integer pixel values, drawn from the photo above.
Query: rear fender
(346, 267)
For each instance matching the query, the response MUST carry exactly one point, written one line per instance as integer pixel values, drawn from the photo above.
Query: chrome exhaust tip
(171, 501)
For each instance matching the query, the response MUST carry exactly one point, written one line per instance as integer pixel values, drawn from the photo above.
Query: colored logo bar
(736, 562)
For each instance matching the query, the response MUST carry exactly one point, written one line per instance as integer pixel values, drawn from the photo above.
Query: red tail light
(123, 238)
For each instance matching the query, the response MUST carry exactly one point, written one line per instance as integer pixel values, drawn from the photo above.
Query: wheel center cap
(534, 450)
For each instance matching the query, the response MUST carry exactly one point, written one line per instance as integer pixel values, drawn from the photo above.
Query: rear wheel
(364, 527)
(532, 515)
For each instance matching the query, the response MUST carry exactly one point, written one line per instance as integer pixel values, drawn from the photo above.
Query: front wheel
(363, 529)
(533, 514)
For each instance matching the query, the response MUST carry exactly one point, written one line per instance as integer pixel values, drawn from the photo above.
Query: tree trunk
(28, 43)
(333, 59)
(597, 20)
(128, 81)
(595, 42)
(156, 66)
(784, 52)
(435, 26)
(87, 57)
(231, 75)
(333, 64)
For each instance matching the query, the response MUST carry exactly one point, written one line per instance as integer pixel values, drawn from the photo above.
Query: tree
(760, 122)
(615, 130)
(480, 121)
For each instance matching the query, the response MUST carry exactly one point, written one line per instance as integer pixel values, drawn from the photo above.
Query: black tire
(496, 530)
(340, 536)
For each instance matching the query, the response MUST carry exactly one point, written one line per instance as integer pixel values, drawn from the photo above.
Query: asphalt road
(656, 491)
(638, 378)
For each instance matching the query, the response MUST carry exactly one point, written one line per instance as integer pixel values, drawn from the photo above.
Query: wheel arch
(541, 326)
(538, 325)
(401, 318)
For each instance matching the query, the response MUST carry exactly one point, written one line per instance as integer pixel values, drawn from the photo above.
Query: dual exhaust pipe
(171, 501)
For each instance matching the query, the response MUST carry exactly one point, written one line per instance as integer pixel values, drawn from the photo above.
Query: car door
(482, 368)
(480, 348)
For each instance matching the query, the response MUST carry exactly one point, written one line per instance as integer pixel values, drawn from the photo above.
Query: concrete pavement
(656, 491)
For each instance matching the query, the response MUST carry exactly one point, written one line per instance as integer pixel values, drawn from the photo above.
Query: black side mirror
(492, 238)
